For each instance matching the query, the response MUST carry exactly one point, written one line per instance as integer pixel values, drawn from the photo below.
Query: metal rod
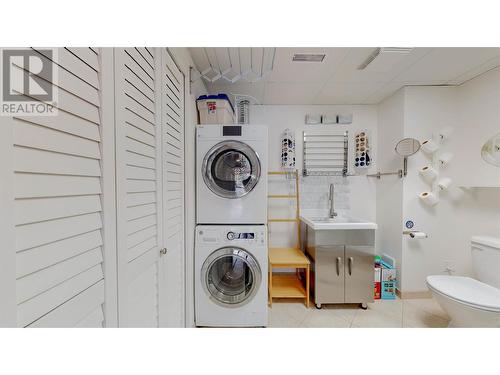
(379, 174)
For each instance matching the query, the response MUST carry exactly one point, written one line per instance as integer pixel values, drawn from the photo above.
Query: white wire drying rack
(325, 153)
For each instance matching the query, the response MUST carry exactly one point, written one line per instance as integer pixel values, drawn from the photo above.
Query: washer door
(231, 276)
(231, 169)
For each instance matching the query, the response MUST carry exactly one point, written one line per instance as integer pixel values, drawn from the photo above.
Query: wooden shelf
(274, 173)
(287, 257)
(282, 220)
(287, 286)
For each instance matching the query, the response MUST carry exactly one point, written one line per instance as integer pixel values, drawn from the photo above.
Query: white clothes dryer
(231, 177)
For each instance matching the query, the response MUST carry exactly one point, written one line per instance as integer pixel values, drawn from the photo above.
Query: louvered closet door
(138, 185)
(173, 283)
(57, 207)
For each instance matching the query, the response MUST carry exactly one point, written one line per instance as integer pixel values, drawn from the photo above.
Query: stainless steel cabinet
(359, 274)
(329, 273)
(342, 269)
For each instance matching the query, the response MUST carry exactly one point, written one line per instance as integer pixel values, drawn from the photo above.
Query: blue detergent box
(388, 281)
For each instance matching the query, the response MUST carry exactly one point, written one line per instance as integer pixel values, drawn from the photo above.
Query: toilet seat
(467, 291)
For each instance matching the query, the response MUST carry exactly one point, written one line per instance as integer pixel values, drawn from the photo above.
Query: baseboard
(414, 295)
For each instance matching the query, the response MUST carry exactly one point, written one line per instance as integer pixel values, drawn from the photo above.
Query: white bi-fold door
(90, 197)
(149, 94)
(173, 262)
(52, 249)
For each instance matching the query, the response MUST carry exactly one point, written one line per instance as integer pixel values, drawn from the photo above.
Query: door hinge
(163, 251)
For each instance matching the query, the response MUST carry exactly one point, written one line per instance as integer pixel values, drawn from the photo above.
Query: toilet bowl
(472, 302)
(468, 302)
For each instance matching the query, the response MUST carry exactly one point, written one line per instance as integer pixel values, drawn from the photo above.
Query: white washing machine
(231, 276)
(231, 177)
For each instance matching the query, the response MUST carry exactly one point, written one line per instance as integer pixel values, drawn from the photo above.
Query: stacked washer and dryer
(231, 255)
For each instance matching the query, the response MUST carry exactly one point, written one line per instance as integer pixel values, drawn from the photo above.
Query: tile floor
(416, 313)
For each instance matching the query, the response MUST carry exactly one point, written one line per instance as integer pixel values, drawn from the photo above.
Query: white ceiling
(337, 79)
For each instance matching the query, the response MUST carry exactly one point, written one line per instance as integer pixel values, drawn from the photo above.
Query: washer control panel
(232, 234)
(240, 236)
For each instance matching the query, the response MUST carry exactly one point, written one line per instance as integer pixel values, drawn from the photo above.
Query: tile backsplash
(315, 190)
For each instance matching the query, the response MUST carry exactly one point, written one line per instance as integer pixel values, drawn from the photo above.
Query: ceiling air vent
(308, 57)
(383, 59)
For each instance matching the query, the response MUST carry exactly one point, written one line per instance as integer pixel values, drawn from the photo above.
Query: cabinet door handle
(351, 261)
(338, 265)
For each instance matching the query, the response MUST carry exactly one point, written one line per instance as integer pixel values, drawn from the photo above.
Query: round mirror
(490, 152)
(407, 147)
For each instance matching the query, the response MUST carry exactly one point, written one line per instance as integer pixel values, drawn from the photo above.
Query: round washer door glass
(231, 276)
(231, 169)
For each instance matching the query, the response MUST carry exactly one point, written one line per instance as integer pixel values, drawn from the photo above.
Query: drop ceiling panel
(286, 70)
(446, 64)
(291, 93)
(490, 64)
(348, 70)
(346, 93)
(382, 92)
(337, 79)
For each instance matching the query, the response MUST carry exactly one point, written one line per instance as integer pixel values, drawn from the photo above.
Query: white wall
(389, 196)
(355, 195)
(450, 223)
(479, 113)
(184, 61)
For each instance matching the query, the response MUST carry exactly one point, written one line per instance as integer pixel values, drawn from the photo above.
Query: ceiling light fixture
(385, 56)
(308, 57)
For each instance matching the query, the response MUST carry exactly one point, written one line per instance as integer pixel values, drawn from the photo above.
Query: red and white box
(377, 283)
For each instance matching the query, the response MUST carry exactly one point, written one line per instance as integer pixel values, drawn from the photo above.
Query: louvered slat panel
(31, 235)
(40, 137)
(35, 185)
(43, 256)
(46, 302)
(69, 82)
(94, 319)
(48, 162)
(68, 123)
(137, 148)
(74, 65)
(43, 280)
(137, 80)
(139, 201)
(58, 213)
(142, 248)
(173, 175)
(76, 311)
(33, 210)
(87, 55)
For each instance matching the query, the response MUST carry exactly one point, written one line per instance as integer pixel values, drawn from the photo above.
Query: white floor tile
(380, 314)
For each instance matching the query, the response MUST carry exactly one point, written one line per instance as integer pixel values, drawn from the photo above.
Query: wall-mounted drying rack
(325, 153)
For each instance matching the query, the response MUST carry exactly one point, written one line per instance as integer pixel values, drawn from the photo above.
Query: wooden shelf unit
(288, 285)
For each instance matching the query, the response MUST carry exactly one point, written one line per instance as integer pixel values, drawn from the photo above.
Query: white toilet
(470, 302)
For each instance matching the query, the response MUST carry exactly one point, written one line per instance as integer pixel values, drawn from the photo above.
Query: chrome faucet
(332, 213)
